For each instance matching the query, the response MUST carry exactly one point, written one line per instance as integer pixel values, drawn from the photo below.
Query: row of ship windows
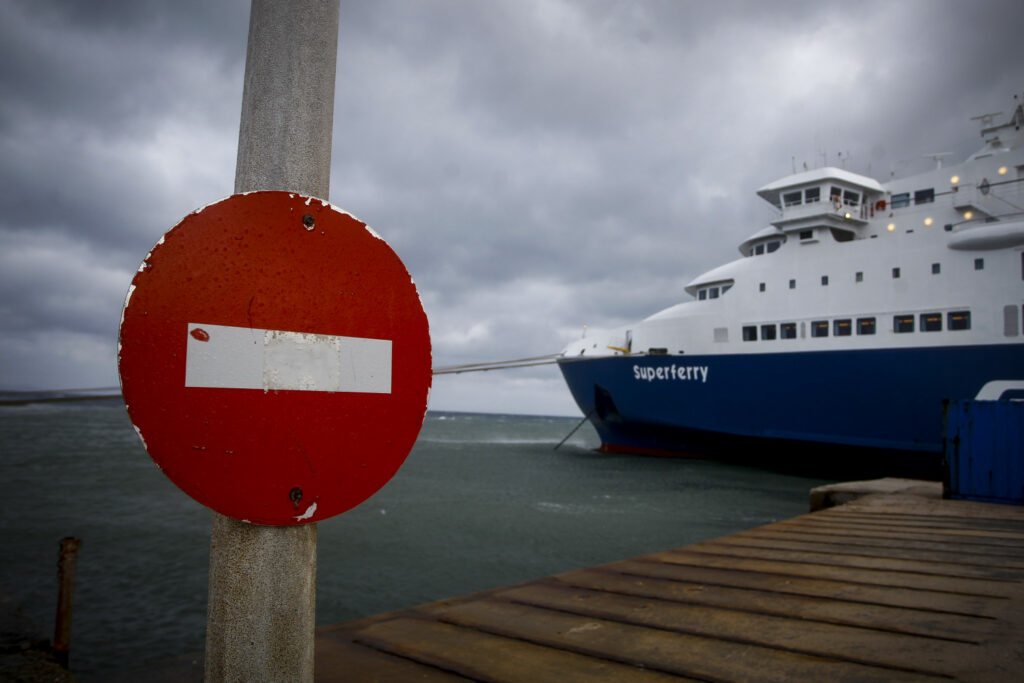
(716, 291)
(902, 200)
(979, 264)
(839, 196)
(844, 327)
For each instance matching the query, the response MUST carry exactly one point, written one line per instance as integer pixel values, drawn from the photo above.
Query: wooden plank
(1007, 523)
(993, 538)
(1006, 557)
(487, 657)
(903, 620)
(814, 586)
(869, 532)
(935, 507)
(898, 652)
(942, 563)
(833, 546)
(679, 653)
(341, 661)
(955, 585)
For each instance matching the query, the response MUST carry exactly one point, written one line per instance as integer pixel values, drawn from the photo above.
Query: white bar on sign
(221, 356)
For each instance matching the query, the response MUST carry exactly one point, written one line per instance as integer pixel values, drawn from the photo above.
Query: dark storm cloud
(88, 90)
(108, 63)
(538, 164)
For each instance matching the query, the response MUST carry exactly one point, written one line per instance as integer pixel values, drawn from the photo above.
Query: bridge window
(773, 246)
(792, 198)
(901, 201)
(851, 198)
(924, 196)
(812, 194)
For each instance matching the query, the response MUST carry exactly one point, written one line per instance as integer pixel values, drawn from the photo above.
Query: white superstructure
(934, 259)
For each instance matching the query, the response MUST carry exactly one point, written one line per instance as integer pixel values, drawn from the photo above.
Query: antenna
(938, 157)
(987, 119)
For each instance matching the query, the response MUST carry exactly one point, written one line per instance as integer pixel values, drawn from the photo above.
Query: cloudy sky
(539, 165)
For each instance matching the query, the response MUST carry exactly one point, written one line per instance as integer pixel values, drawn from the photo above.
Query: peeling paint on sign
(308, 514)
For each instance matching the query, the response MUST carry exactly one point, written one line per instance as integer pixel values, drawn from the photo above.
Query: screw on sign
(275, 358)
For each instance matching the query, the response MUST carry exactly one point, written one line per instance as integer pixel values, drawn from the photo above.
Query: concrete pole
(261, 611)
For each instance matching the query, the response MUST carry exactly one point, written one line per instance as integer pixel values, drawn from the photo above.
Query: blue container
(984, 451)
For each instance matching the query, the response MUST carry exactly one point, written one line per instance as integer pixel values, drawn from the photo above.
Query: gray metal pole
(261, 611)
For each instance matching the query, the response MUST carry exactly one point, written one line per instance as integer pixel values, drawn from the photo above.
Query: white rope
(498, 365)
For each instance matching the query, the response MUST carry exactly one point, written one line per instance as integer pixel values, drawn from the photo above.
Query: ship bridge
(825, 197)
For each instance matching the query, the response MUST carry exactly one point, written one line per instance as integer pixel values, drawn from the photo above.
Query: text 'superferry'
(847, 321)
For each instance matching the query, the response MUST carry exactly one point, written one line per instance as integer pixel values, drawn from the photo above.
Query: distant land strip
(24, 398)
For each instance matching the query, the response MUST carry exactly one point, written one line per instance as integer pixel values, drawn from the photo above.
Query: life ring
(837, 203)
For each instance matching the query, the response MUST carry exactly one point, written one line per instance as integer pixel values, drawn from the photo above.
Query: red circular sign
(275, 358)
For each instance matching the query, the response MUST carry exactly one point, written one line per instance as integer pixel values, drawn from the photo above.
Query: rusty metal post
(262, 592)
(65, 598)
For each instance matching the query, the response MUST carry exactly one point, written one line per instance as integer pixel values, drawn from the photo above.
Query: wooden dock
(889, 587)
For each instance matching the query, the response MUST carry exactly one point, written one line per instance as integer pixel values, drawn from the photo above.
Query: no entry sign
(275, 358)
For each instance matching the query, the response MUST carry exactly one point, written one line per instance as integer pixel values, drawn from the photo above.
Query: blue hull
(883, 399)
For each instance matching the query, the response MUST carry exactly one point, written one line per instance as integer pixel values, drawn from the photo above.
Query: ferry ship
(846, 322)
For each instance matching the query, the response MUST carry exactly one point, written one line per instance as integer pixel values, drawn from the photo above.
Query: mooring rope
(585, 418)
(498, 365)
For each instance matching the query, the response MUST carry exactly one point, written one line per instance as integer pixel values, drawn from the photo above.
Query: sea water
(482, 501)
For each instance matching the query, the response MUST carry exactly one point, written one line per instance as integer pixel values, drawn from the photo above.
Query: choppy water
(482, 501)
